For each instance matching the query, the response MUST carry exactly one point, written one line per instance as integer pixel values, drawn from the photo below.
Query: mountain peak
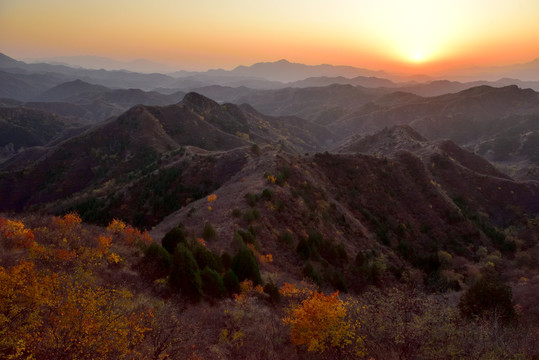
(406, 131)
(199, 102)
(386, 141)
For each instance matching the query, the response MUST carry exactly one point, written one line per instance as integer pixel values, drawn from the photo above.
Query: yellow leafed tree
(53, 315)
(52, 305)
(320, 323)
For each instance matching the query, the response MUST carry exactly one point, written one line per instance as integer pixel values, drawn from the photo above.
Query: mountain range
(499, 124)
(268, 75)
(158, 160)
(328, 178)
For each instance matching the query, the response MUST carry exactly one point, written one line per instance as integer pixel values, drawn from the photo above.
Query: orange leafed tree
(320, 323)
(103, 244)
(15, 234)
(68, 221)
(133, 235)
(116, 226)
(129, 234)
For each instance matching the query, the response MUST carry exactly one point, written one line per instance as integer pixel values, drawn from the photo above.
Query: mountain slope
(498, 118)
(24, 87)
(317, 104)
(96, 103)
(391, 141)
(141, 140)
(131, 142)
(75, 88)
(22, 127)
(403, 208)
(453, 115)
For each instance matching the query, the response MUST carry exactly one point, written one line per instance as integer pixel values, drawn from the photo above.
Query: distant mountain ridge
(499, 118)
(525, 71)
(264, 75)
(62, 73)
(286, 71)
(100, 62)
(70, 89)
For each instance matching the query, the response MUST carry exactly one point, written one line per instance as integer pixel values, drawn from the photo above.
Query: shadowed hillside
(22, 127)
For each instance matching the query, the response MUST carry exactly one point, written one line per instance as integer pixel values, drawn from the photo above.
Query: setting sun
(418, 57)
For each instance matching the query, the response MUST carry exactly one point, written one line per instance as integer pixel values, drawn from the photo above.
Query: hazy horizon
(151, 66)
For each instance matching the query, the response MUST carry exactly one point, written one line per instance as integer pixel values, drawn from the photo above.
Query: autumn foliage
(71, 291)
(15, 234)
(129, 234)
(55, 315)
(320, 322)
(52, 305)
(211, 198)
(68, 221)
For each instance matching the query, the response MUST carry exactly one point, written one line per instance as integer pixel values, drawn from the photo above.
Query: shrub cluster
(328, 254)
(197, 272)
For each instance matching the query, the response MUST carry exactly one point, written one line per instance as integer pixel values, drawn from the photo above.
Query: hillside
(495, 122)
(112, 150)
(367, 201)
(498, 123)
(391, 141)
(69, 89)
(60, 270)
(22, 127)
(347, 221)
(106, 158)
(319, 104)
(252, 224)
(95, 103)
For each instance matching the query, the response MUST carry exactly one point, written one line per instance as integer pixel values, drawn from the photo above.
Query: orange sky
(411, 36)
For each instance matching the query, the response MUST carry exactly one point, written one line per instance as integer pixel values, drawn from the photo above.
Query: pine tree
(185, 274)
(231, 282)
(172, 239)
(245, 266)
(212, 283)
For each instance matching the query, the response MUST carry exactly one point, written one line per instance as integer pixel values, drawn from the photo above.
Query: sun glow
(417, 57)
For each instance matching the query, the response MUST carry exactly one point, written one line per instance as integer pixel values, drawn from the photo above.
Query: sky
(399, 36)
